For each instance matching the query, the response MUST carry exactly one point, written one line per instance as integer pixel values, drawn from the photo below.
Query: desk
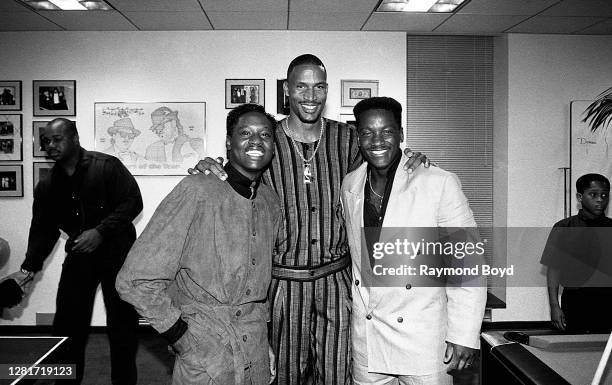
(29, 352)
(510, 363)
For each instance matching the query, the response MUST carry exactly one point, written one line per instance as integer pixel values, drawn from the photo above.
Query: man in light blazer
(405, 334)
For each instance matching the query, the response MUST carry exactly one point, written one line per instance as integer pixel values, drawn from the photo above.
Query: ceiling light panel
(68, 5)
(433, 6)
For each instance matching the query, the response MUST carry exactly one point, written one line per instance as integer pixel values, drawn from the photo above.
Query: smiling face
(594, 199)
(251, 145)
(306, 89)
(169, 131)
(379, 137)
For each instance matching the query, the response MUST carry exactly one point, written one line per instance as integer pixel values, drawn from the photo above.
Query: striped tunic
(314, 226)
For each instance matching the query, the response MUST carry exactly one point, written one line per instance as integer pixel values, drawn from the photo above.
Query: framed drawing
(37, 150)
(282, 101)
(11, 137)
(10, 95)
(241, 91)
(11, 180)
(41, 171)
(590, 151)
(152, 138)
(54, 97)
(355, 90)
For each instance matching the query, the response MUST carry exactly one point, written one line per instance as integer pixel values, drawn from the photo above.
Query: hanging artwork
(152, 138)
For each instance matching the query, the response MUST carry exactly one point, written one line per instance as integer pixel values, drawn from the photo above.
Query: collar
(240, 183)
(600, 220)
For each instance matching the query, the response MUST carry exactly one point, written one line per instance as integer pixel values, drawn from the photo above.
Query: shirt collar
(602, 219)
(240, 183)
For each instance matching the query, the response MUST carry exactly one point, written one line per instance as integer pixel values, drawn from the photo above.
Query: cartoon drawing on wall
(152, 138)
(591, 150)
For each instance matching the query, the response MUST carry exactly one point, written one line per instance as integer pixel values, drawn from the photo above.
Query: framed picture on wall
(10, 95)
(348, 119)
(241, 91)
(54, 97)
(11, 137)
(11, 180)
(162, 138)
(41, 171)
(37, 150)
(355, 90)
(282, 101)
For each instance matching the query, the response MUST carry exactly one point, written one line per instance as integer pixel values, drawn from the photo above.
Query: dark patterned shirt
(314, 226)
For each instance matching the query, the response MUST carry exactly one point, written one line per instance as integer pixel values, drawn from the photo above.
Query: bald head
(67, 125)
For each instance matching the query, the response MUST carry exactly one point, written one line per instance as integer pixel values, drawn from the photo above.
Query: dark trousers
(81, 275)
(586, 309)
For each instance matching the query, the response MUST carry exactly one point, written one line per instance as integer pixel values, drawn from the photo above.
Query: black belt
(310, 273)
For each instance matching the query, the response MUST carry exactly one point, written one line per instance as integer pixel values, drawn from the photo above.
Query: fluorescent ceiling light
(68, 5)
(445, 6)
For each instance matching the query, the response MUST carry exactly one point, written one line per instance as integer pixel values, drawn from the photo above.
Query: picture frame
(355, 90)
(241, 91)
(54, 97)
(348, 119)
(41, 171)
(37, 151)
(10, 95)
(152, 138)
(11, 180)
(282, 100)
(11, 137)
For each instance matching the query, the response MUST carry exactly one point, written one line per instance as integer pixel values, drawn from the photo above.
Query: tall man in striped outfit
(311, 282)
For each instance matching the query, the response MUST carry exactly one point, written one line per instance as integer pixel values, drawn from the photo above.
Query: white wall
(545, 73)
(164, 67)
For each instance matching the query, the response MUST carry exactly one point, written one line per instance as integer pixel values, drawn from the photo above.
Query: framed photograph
(41, 171)
(282, 101)
(54, 97)
(355, 90)
(241, 91)
(11, 137)
(37, 150)
(152, 138)
(11, 180)
(348, 119)
(10, 95)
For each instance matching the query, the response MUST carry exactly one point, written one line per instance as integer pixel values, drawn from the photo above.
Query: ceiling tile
(244, 5)
(506, 7)
(348, 6)
(415, 22)
(169, 21)
(602, 28)
(549, 24)
(581, 8)
(12, 6)
(25, 21)
(327, 21)
(248, 20)
(155, 5)
(90, 20)
(462, 23)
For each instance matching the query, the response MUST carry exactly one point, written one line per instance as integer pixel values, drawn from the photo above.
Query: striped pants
(310, 330)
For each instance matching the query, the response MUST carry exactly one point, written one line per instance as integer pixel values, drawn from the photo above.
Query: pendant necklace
(379, 198)
(307, 165)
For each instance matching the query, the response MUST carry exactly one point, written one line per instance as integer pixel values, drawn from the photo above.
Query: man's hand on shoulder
(87, 242)
(209, 165)
(459, 356)
(414, 160)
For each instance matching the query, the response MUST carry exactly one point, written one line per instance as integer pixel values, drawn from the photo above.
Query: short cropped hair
(302, 60)
(379, 103)
(585, 181)
(234, 115)
(70, 125)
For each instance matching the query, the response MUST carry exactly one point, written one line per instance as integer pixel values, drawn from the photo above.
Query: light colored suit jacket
(407, 327)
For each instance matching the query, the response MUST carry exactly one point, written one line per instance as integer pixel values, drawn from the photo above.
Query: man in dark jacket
(92, 198)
